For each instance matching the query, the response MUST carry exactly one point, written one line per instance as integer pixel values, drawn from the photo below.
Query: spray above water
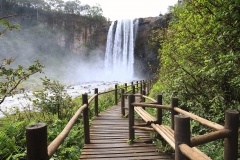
(119, 56)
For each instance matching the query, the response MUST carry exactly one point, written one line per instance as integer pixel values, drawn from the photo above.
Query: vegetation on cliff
(199, 61)
(48, 33)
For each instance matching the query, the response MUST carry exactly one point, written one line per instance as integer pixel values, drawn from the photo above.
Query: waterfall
(119, 56)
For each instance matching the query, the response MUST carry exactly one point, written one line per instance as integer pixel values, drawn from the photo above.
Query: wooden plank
(125, 155)
(134, 158)
(111, 136)
(109, 139)
(132, 149)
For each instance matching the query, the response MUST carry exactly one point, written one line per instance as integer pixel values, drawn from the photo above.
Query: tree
(200, 57)
(7, 25)
(73, 7)
(53, 98)
(199, 60)
(56, 5)
(11, 78)
(95, 11)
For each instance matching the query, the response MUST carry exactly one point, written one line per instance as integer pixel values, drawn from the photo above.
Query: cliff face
(94, 38)
(85, 39)
(146, 54)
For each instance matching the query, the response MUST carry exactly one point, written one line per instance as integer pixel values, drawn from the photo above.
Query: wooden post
(85, 119)
(141, 87)
(143, 93)
(133, 89)
(36, 136)
(143, 99)
(150, 84)
(231, 143)
(122, 103)
(181, 135)
(173, 113)
(137, 84)
(148, 87)
(159, 110)
(96, 102)
(131, 99)
(144, 87)
(116, 98)
(125, 86)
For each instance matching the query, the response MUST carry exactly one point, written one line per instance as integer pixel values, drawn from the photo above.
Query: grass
(13, 138)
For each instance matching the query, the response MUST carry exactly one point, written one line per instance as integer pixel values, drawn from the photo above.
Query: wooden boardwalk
(109, 140)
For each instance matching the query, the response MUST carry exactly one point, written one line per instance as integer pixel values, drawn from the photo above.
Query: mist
(39, 43)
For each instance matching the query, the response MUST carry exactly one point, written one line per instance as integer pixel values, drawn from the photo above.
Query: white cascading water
(119, 56)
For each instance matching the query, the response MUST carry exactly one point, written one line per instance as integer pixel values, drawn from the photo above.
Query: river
(20, 102)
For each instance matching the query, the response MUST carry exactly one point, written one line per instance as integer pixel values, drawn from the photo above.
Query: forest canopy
(200, 59)
(67, 7)
(200, 55)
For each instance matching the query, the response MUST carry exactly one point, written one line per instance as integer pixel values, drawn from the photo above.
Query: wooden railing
(178, 134)
(36, 135)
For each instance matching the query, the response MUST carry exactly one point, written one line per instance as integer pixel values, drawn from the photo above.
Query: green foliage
(199, 59)
(12, 140)
(12, 130)
(90, 45)
(106, 100)
(8, 25)
(53, 99)
(11, 78)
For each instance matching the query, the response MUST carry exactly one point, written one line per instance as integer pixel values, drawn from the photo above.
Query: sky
(130, 9)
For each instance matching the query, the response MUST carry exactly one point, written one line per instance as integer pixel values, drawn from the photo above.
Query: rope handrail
(53, 146)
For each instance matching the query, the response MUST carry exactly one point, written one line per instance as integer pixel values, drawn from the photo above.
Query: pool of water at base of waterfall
(18, 101)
